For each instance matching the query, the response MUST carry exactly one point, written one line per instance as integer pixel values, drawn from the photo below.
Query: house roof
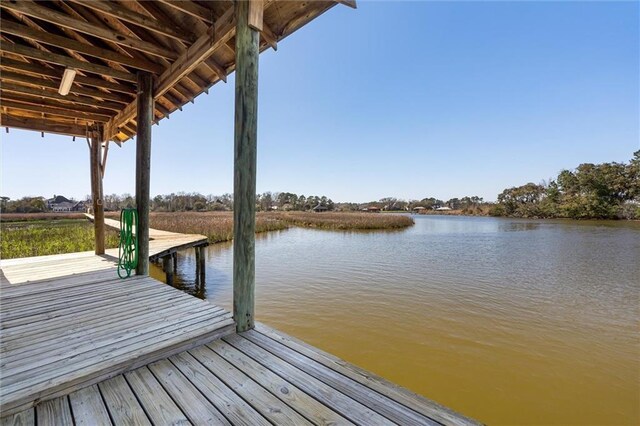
(188, 45)
(59, 199)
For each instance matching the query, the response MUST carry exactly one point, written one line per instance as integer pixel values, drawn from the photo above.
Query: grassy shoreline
(218, 226)
(40, 234)
(39, 237)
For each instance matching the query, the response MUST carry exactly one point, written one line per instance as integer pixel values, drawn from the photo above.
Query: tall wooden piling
(245, 145)
(167, 263)
(143, 167)
(96, 190)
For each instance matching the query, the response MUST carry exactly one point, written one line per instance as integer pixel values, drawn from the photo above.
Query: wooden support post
(167, 262)
(202, 256)
(201, 264)
(245, 142)
(143, 168)
(96, 190)
(175, 263)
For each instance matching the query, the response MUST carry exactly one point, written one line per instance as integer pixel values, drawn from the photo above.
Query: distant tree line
(591, 191)
(598, 191)
(23, 205)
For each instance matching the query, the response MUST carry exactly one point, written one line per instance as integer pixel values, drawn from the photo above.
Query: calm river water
(507, 321)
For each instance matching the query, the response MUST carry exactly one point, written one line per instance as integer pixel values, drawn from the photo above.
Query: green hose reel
(128, 249)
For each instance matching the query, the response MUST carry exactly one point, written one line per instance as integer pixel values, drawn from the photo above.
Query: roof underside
(188, 45)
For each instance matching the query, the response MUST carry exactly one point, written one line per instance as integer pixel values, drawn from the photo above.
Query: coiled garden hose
(128, 250)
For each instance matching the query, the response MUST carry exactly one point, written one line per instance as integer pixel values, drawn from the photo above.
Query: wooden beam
(46, 14)
(244, 188)
(143, 167)
(269, 36)
(141, 33)
(172, 17)
(39, 125)
(256, 11)
(29, 52)
(67, 43)
(10, 87)
(216, 37)
(52, 111)
(117, 11)
(96, 191)
(103, 163)
(221, 32)
(71, 108)
(78, 90)
(113, 126)
(56, 73)
(191, 8)
(350, 3)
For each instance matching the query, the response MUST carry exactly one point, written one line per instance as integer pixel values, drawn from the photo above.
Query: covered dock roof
(188, 46)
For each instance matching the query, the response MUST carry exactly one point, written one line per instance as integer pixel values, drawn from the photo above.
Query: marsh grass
(344, 221)
(43, 237)
(43, 234)
(217, 226)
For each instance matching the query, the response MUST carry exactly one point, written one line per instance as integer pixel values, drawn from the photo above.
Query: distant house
(372, 209)
(443, 209)
(419, 209)
(60, 203)
(80, 206)
(319, 208)
(65, 206)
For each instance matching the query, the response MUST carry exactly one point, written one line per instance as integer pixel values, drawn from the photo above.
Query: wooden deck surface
(161, 243)
(68, 321)
(260, 377)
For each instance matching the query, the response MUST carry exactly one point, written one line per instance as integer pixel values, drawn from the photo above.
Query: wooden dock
(80, 346)
(163, 243)
(68, 321)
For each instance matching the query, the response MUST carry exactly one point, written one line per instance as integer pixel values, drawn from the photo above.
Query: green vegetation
(591, 191)
(44, 237)
(40, 234)
(32, 217)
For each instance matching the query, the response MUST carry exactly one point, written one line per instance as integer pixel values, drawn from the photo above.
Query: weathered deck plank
(156, 402)
(88, 407)
(60, 333)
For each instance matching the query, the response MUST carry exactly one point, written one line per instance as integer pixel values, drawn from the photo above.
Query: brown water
(507, 321)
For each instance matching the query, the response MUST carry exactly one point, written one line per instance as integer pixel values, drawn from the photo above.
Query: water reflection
(513, 226)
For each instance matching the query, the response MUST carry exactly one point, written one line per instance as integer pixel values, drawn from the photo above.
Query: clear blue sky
(405, 99)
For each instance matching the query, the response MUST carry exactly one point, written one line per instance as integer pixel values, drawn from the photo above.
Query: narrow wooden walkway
(163, 243)
(68, 321)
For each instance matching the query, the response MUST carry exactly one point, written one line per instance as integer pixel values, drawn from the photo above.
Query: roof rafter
(127, 15)
(66, 43)
(10, 87)
(48, 84)
(46, 14)
(221, 32)
(36, 100)
(29, 52)
(39, 126)
(62, 112)
(12, 64)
